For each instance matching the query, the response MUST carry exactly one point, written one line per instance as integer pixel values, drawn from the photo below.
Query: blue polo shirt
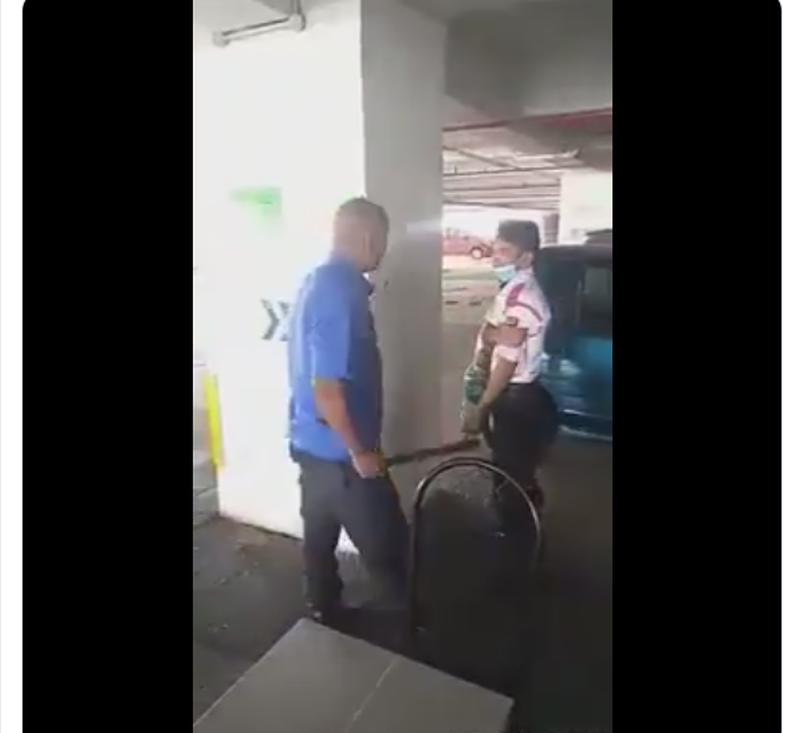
(332, 336)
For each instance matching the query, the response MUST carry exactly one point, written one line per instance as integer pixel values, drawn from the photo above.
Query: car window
(580, 293)
(595, 300)
(559, 278)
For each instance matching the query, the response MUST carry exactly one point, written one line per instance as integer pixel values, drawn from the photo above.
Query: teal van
(577, 281)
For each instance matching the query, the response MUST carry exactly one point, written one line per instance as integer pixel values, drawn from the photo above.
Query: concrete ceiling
(449, 9)
(494, 20)
(220, 14)
(515, 158)
(516, 162)
(519, 163)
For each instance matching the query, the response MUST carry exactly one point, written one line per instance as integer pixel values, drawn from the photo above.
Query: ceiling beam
(480, 158)
(524, 187)
(554, 168)
(451, 195)
(501, 205)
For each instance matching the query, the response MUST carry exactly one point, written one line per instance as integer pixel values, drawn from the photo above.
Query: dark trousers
(334, 497)
(523, 424)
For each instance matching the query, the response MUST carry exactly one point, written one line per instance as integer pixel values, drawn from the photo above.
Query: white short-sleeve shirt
(521, 303)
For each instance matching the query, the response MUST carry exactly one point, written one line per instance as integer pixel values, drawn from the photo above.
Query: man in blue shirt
(335, 415)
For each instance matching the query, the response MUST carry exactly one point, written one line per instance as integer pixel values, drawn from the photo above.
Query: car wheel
(476, 253)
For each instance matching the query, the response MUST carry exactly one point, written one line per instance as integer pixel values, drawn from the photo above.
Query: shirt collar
(347, 266)
(522, 276)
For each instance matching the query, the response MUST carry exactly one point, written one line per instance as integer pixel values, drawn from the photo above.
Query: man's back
(332, 337)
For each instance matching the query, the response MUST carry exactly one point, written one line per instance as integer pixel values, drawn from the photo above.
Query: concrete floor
(247, 591)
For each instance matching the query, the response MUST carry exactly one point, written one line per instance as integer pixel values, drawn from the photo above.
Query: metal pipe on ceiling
(524, 187)
(472, 195)
(477, 126)
(488, 197)
(497, 205)
(480, 193)
(566, 119)
(522, 204)
(295, 21)
(555, 168)
(480, 158)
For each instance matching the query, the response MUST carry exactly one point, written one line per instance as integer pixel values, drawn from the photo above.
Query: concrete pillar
(550, 228)
(587, 203)
(286, 127)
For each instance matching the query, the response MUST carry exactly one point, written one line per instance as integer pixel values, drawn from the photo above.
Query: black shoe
(536, 496)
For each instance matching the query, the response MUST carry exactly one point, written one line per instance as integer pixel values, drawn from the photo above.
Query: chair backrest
(475, 542)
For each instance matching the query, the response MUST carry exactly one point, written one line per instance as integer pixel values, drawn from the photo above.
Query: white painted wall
(256, 107)
(351, 106)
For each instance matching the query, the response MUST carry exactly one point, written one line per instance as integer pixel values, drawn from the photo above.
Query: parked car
(461, 244)
(577, 281)
(599, 236)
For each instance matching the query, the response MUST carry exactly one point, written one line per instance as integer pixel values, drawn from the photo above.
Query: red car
(461, 244)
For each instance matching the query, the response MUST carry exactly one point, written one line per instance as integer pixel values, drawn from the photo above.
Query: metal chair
(472, 621)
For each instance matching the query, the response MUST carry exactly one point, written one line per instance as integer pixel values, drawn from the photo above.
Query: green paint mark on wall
(265, 201)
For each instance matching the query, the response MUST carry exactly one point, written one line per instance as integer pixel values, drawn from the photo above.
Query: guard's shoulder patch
(512, 321)
(514, 294)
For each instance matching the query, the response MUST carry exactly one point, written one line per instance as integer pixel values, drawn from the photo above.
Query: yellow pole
(211, 396)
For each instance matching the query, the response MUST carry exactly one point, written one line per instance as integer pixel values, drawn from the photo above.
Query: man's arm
(520, 321)
(499, 377)
(490, 336)
(486, 340)
(331, 405)
(487, 336)
(329, 342)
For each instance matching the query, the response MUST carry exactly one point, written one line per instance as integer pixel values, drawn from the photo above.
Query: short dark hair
(522, 234)
(361, 207)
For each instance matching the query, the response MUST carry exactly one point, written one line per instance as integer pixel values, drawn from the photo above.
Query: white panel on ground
(286, 127)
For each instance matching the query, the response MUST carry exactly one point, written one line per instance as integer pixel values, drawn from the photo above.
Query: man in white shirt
(517, 414)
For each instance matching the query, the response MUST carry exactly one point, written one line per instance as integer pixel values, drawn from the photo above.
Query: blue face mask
(504, 273)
